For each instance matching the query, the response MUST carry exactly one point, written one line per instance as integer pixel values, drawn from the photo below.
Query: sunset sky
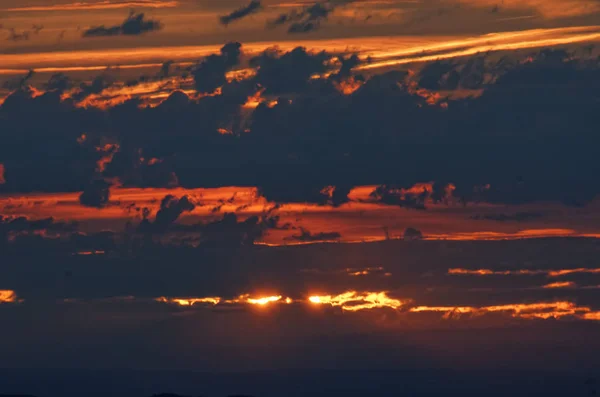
(216, 175)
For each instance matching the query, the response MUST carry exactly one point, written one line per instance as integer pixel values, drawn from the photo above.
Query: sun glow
(354, 301)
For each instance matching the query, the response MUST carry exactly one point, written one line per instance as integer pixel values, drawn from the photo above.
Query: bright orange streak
(532, 310)
(101, 5)
(363, 272)
(353, 301)
(520, 235)
(488, 272)
(491, 42)
(560, 284)
(189, 301)
(549, 273)
(383, 51)
(558, 273)
(7, 296)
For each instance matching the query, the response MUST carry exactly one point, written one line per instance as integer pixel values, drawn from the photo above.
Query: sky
(230, 186)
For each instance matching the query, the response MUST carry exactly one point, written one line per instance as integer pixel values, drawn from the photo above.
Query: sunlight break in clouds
(353, 301)
(242, 299)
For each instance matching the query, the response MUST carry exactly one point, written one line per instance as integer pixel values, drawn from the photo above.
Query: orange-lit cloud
(99, 5)
(543, 310)
(7, 296)
(560, 284)
(348, 86)
(354, 301)
(2, 178)
(212, 300)
(189, 301)
(522, 272)
(108, 151)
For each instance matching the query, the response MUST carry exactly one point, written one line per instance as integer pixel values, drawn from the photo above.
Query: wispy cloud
(134, 24)
(550, 9)
(251, 8)
(101, 5)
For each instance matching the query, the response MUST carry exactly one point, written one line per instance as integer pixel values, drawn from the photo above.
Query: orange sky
(356, 221)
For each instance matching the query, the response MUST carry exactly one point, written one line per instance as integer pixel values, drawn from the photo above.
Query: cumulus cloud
(171, 208)
(210, 73)
(253, 7)
(288, 72)
(304, 136)
(135, 24)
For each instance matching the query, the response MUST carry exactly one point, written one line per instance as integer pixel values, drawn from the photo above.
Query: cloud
(99, 5)
(96, 194)
(170, 210)
(309, 18)
(134, 24)
(516, 217)
(210, 73)
(19, 82)
(2, 176)
(305, 136)
(288, 72)
(253, 7)
(18, 229)
(18, 36)
(412, 234)
(307, 236)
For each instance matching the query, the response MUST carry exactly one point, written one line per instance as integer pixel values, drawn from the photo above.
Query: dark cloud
(412, 234)
(14, 35)
(134, 24)
(309, 18)
(170, 210)
(96, 86)
(307, 236)
(37, 28)
(306, 135)
(516, 217)
(58, 82)
(280, 191)
(288, 72)
(210, 73)
(253, 7)
(165, 69)
(19, 82)
(393, 195)
(96, 194)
